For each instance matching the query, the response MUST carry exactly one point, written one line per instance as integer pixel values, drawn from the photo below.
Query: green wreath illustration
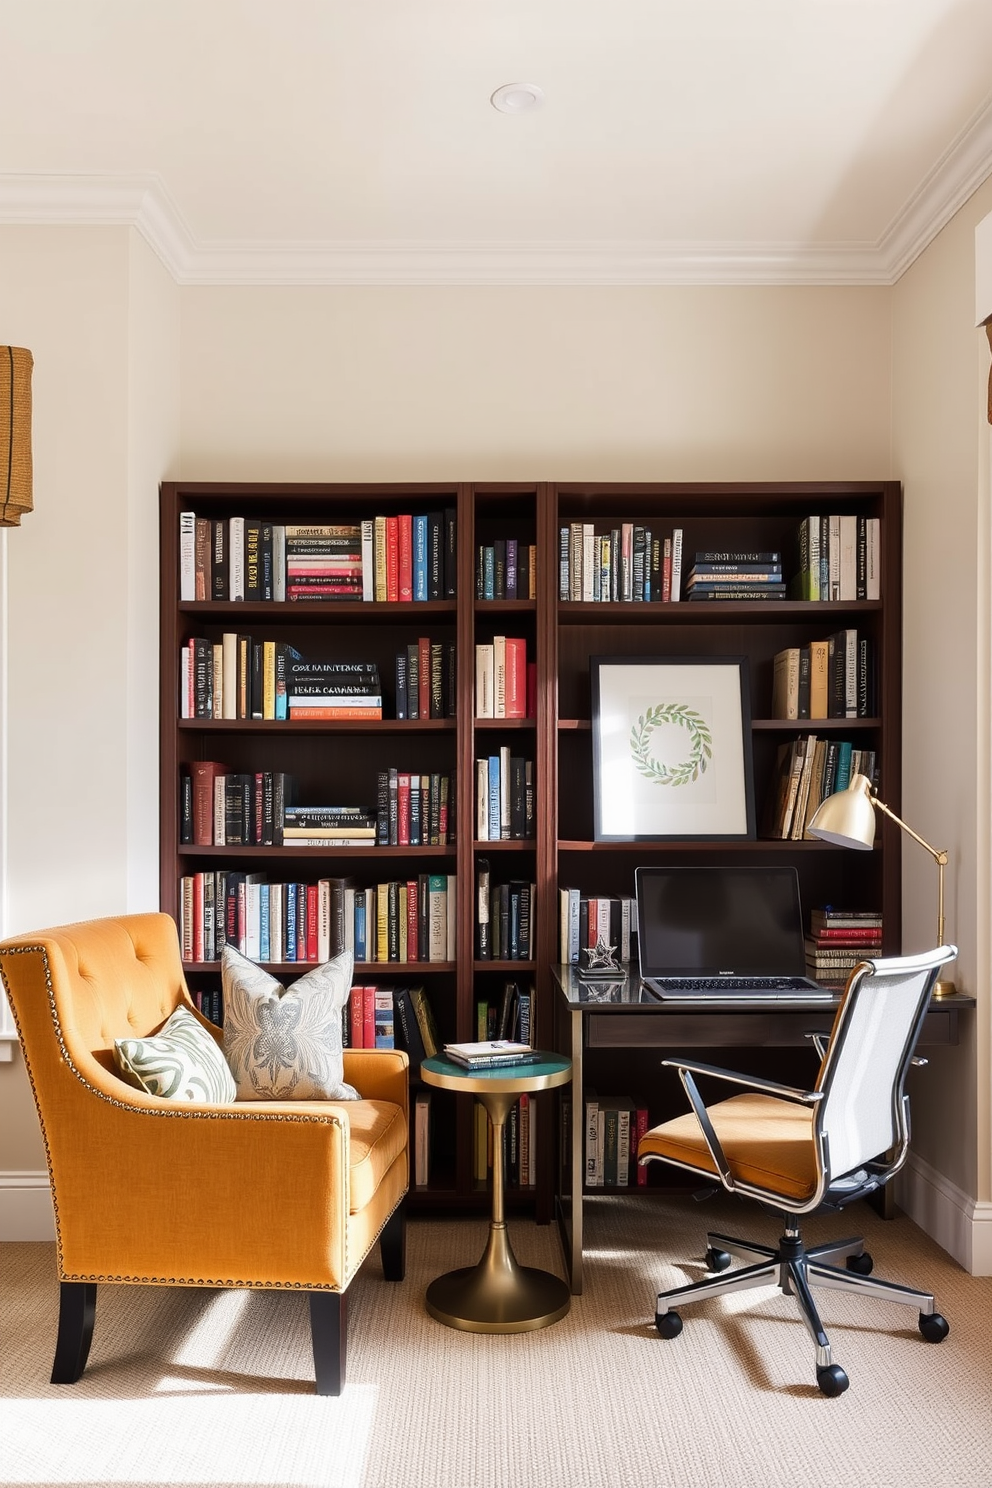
(687, 770)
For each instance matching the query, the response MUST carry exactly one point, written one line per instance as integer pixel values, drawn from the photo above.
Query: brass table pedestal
(498, 1295)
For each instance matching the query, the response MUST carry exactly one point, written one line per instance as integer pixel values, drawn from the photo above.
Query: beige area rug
(211, 1388)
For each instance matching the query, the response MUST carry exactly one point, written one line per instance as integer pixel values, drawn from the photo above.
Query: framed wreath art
(671, 748)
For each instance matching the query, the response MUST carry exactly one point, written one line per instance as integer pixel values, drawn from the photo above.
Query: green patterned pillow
(181, 1062)
(285, 1043)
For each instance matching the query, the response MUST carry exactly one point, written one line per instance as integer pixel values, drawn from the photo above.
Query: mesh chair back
(862, 1114)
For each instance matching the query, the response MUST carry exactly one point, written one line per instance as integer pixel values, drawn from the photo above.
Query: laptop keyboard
(766, 987)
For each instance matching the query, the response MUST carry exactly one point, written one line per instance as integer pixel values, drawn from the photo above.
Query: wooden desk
(624, 1015)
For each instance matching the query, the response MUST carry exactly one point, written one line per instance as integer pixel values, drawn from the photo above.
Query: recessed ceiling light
(517, 98)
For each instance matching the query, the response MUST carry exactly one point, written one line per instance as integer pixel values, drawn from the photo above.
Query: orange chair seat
(768, 1142)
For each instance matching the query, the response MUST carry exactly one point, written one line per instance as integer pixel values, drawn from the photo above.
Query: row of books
(838, 939)
(414, 810)
(506, 569)
(839, 558)
(585, 921)
(504, 797)
(613, 1127)
(506, 1016)
(387, 1016)
(830, 678)
(210, 1002)
(400, 921)
(807, 771)
(425, 679)
(405, 557)
(519, 1143)
(239, 677)
(220, 807)
(742, 575)
(505, 685)
(628, 563)
(505, 919)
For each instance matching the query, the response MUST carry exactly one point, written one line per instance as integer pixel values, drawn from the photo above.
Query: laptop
(723, 934)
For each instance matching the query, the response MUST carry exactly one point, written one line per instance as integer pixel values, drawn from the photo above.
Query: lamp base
(943, 989)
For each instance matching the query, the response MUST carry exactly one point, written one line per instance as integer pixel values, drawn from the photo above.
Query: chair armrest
(379, 1074)
(750, 1082)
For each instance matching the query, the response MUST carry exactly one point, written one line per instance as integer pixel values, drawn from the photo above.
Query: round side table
(498, 1295)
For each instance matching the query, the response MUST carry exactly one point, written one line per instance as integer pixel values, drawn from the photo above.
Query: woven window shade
(15, 434)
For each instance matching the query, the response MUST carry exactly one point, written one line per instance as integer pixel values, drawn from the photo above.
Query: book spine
(187, 555)
(676, 581)
(450, 565)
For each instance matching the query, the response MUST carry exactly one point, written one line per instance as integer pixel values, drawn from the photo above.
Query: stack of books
(329, 691)
(838, 939)
(736, 575)
(491, 1054)
(330, 827)
(324, 561)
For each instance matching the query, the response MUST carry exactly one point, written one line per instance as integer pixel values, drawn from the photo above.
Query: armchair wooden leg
(77, 1313)
(329, 1335)
(392, 1245)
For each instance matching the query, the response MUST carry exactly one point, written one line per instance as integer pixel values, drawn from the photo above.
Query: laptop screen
(717, 920)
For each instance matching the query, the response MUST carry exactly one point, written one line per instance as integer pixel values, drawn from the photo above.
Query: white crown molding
(957, 175)
(143, 202)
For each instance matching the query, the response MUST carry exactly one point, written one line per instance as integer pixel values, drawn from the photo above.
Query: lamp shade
(15, 434)
(847, 818)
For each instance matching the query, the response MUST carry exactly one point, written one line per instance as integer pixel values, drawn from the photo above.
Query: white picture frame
(671, 748)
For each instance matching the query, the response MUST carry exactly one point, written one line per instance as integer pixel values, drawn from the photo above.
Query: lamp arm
(939, 855)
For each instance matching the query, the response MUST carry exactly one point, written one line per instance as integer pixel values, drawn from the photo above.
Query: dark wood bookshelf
(561, 637)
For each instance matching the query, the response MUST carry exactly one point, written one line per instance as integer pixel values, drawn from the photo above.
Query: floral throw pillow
(181, 1062)
(284, 1043)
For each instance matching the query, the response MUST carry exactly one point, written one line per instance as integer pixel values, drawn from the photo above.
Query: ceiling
(353, 141)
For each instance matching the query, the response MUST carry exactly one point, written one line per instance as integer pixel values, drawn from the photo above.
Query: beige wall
(939, 442)
(101, 318)
(535, 383)
(419, 384)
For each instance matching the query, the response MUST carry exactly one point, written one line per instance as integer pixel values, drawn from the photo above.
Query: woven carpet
(213, 1388)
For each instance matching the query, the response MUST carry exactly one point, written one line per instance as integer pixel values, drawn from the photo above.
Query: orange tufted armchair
(162, 1193)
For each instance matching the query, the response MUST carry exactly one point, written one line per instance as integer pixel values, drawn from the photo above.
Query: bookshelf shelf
(560, 636)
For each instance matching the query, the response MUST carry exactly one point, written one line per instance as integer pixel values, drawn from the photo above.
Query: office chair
(795, 1151)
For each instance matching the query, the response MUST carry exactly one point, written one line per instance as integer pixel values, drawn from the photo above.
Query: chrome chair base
(794, 1269)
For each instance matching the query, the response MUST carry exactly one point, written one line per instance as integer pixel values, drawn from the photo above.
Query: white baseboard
(26, 1207)
(958, 1223)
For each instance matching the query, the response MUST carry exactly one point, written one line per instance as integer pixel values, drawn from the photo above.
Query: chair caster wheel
(832, 1380)
(861, 1264)
(934, 1327)
(717, 1260)
(669, 1324)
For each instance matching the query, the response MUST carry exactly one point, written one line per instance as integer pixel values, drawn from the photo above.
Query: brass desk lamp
(847, 818)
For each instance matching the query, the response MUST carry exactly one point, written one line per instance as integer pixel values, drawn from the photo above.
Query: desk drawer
(744, 1030)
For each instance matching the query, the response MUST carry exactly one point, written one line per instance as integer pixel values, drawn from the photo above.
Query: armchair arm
(379, 1074)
